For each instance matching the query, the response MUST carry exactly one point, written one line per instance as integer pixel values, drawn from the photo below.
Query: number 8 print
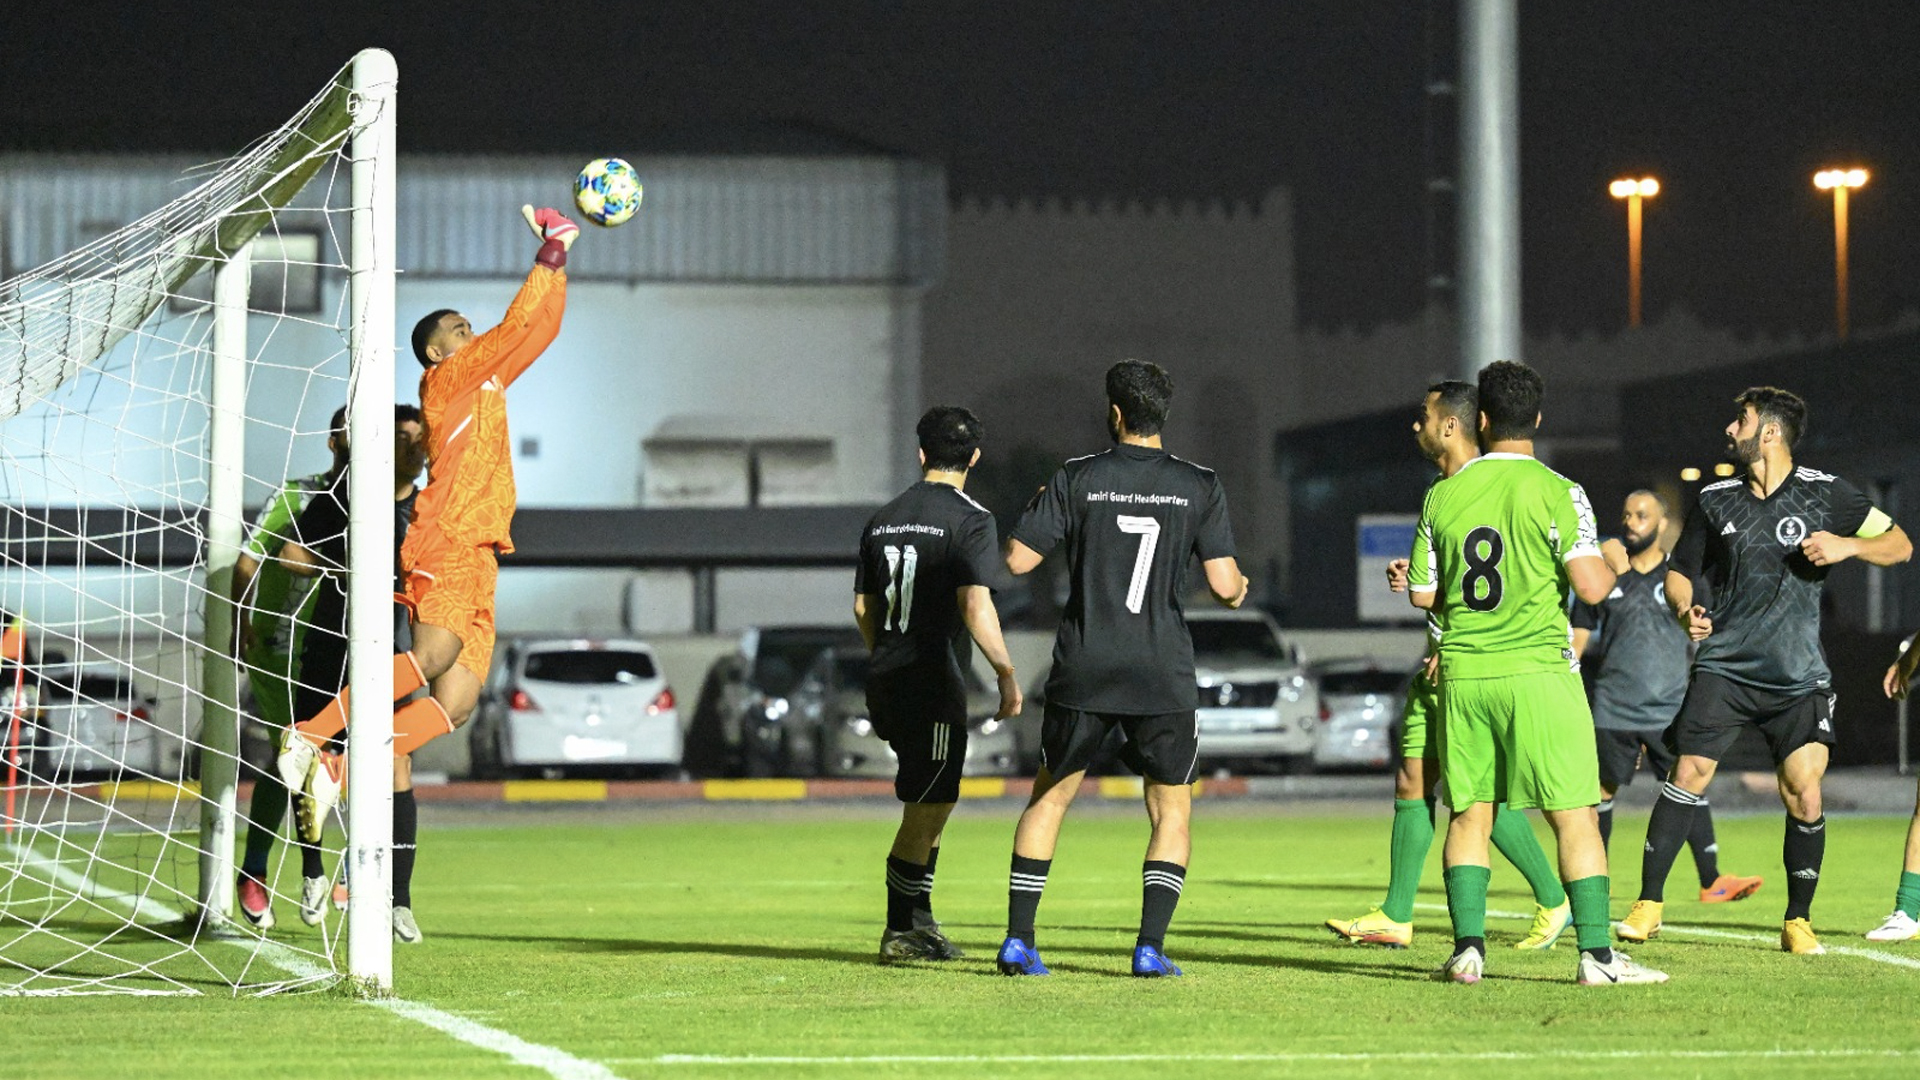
(1482, 570)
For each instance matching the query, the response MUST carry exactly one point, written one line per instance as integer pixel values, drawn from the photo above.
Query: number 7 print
(1148, 530)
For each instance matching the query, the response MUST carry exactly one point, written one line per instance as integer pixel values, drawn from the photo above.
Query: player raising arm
(461, 518)
(924, 583)
(1131, 519)
(1764, 542)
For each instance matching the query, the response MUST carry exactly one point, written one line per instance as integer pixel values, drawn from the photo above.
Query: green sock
(1407, 857)
(1467, 900)
(1513, 835)
(1907, 899)
(1590, 898)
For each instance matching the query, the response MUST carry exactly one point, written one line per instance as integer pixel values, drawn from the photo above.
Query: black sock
(1025, 881)
(1666, 833)
(1706, 850)
(265, 810)
(1805, 847)
(310, 864)
(1603, 954)
(1463, 943)
(923, 904)
(904, 882)
(406, 838)
(1606, 822)
(1160, 885)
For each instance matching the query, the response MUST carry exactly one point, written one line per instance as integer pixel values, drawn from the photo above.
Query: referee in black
(1765, 542)
(1130, 519)
(928, 563)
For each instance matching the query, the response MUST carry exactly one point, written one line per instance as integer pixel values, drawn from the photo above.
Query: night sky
(1733, 105)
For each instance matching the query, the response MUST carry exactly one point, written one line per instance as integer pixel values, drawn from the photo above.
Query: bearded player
(460, 519)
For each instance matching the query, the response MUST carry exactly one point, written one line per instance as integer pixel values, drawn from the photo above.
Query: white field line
(554, 1062)
(1360, 1057)
(1731, 935)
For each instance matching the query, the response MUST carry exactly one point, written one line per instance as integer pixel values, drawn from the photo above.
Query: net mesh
(111, 720)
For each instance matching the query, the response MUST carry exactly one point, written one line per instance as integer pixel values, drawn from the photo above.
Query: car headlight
(988, 726)
(860, 726)
(775, 708)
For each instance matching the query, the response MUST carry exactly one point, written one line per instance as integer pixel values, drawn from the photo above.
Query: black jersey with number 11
(916, 553)
(1131, 518)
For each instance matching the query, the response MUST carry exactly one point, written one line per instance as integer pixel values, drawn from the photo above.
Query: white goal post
(157, 379)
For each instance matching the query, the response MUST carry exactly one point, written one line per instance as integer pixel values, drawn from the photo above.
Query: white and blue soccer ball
(607, 191)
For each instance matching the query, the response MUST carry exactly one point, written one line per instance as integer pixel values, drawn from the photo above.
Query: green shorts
(271, 677)
(1526, 740)
(1423, 714)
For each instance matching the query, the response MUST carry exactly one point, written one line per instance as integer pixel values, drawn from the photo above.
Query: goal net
(174, 358)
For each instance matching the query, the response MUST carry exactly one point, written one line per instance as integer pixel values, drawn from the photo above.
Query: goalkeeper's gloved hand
(555, 229)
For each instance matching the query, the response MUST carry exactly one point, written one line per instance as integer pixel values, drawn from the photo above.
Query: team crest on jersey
(1790, 531)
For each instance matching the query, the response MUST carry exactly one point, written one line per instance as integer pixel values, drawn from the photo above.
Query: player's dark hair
(337, 427)
(1460, 400)
(1774, 405)
(949, 435)
(404, 413)
(1510, 394)
(423, 334)
(1665, 511)
(1143, 392)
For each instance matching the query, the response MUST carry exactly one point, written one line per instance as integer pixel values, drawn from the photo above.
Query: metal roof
(737, 219)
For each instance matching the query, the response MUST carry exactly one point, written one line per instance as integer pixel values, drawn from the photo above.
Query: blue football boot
(1151, 963)
(1019, 958)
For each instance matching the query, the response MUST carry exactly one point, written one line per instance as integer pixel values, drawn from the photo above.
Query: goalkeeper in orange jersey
(460, 521)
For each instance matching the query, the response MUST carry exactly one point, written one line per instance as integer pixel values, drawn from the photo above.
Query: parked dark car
(827, 731)
(747, 690)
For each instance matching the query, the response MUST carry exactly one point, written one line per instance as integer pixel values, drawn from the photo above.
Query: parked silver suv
(1258, 706)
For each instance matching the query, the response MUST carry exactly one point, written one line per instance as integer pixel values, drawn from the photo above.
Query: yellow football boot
(1374, 928)
(1642, 923)
(1548, 924)
(1797, 937)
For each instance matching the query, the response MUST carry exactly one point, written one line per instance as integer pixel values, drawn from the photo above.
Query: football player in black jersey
(1764, 542)
(1641, 656)
(1130, 520)
(928, 564)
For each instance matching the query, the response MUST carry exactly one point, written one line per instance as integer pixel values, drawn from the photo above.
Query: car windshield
(1364, 681)
(784, 656)
(589, 666)
(1235, 639)
(63, 688)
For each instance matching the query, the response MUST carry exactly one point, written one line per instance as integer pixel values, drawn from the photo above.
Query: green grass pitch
(738, 942)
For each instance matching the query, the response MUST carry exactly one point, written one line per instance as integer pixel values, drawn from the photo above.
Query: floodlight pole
(1490, 327)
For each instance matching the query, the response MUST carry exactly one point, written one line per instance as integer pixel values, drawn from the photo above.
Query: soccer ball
(607, 191)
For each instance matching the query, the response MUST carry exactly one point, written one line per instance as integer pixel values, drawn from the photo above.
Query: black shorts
(1717, 708)
(926, 725)
(1620, 752)
(1163, 747)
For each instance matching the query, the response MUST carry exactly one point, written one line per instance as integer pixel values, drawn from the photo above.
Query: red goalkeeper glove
(555, 229)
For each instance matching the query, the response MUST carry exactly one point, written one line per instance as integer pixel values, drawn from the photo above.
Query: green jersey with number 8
(1493, 542)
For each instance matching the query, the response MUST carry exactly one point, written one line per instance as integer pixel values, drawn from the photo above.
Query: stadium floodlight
(158, 380)
(1840, 181)
(1633, 191)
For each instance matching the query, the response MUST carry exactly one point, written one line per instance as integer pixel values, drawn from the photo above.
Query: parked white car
(1362, 701)
(557, 705)
(88, 719)
(1257, 703)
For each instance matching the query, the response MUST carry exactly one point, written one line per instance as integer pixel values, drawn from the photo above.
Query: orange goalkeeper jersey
(469, 497)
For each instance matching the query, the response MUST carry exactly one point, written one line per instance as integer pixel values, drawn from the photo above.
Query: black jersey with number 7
(1130, 519)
